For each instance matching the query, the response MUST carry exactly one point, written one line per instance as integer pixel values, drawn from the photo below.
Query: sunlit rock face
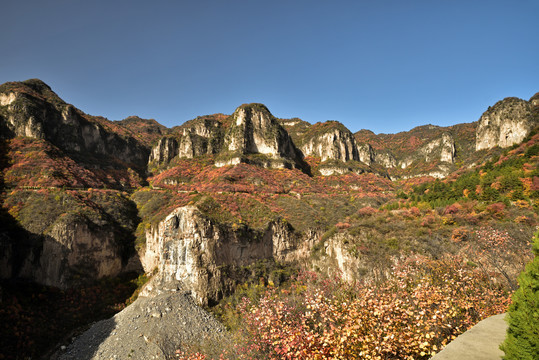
(254, 130)
(506, 123)
(440, 149)
(366, 153)
(164, 151)
(31, 109)
(333, 143)
(385, 159)
(189, 247)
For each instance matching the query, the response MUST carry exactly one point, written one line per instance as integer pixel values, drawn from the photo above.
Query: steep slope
(32, 109)
(255, 131)
(50, 234)
(506, 123)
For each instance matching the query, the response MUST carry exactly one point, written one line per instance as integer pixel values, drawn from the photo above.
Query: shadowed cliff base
(35, 317)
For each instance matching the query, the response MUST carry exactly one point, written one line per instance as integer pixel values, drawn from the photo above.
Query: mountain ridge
(84, 197)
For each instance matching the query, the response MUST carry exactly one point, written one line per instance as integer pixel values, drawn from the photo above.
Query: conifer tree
(522, 340)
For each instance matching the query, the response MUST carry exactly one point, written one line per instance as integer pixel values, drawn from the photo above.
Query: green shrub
(522, 341)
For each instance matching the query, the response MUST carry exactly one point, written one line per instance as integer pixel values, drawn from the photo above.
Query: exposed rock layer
(189, 247)
(507, 123)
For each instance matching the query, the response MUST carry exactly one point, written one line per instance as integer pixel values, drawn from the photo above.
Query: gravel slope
(153, 327)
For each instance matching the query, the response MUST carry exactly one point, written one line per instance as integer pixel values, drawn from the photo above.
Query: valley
(303, 240)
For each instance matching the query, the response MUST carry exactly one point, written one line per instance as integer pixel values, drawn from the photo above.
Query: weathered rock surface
(440, 149)
(254, 130)
(385, 158)
(32, 109)
(333, 142)
(506, 123)
(200, 136)
(164, 151)
(153, 327)
(72, 251)
(189, 247)
(366, 153)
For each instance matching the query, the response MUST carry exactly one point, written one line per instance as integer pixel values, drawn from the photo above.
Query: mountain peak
(254, 107)
(34, 87)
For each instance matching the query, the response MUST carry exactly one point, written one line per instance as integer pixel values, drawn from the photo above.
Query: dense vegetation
(419, 260)
(522, 340)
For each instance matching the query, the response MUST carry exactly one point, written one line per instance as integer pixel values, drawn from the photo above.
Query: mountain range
(222, 200)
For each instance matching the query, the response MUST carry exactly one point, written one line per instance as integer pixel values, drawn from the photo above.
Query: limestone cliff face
(331, 143)
(441, 149)
(507, 123)
(196, 137)
(32, 109)
(366, 153)
(385, 158)
(189, 247)
(254, 130)
(340, 260)
(164, 151)
(71, 252)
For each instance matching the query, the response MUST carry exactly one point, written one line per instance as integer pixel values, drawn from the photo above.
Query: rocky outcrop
(340, 259)
(441, 149)
(199, 137)
(189, 247)
(385, 158)
(330, 141)
(164, 151)
(73, 251)
(254, 130)
(507, 123)
(534, 100)
(32, 109)
(366, 153)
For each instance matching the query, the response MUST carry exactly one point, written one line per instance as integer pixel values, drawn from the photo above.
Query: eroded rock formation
(506, 123)
(189, 247)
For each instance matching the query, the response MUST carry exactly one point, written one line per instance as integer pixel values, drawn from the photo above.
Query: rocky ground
(153, 327)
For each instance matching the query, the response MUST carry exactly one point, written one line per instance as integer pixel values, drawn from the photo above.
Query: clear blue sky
(387, 65)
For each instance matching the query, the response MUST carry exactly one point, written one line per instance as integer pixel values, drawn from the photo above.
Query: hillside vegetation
(398, 242)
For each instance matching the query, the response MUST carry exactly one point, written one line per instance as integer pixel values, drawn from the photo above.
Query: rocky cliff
(330, 141)
(254, 130)
(71, 252)
(30, 108)
(506, 123)
(204, 255)
(366, 153)
(164, 151)
(441, 149)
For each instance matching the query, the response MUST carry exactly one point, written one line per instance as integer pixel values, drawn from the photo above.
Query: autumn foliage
(413, 314)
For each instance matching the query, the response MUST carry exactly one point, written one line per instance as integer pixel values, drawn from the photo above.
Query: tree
(522, 341)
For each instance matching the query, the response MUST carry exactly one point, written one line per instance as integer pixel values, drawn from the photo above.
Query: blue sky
(386, 65)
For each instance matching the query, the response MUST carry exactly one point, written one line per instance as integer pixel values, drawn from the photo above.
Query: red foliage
(452, 209)
(413, 314)
(367, 211)
(496, 210)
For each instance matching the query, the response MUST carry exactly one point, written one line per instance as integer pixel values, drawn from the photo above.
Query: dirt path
(479, 343)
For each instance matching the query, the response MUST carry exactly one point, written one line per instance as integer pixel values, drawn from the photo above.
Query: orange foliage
(412, 315)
